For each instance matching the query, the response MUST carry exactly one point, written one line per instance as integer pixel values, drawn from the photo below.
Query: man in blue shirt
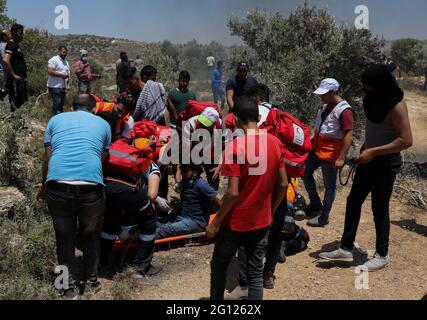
(239, 84)
(218, 85)
(76, 145)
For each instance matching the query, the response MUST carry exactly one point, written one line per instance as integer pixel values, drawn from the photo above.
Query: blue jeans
(227, 243)
(329, 172)
(219, 94)
(58, 98)
(177, 226)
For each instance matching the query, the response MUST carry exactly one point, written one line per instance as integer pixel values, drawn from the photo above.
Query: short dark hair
(246, 109)
(193, 167)
(261, 91)
(86, 101)
(184, 75)
(3, 36)
(128, 73)
(17, 27)
(148, 71)
(61, 46)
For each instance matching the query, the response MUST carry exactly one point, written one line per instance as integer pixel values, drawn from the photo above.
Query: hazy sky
(205, 20)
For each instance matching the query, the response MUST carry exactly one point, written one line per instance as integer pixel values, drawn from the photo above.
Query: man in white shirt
(57, 83)
(210, 61)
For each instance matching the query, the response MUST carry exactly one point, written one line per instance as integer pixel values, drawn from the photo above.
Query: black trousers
(126, 205)
(377, 178)
(275, 238)
(82, 206)
(18, 94)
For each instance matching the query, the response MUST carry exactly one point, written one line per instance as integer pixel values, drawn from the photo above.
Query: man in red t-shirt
(257, 185)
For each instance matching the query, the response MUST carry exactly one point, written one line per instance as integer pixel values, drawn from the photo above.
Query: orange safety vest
(328, 136)
(103, 106)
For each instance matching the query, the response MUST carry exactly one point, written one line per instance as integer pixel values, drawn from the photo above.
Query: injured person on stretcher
(198, 200)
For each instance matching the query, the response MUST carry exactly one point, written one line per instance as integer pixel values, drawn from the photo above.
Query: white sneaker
(240, 293)
(337, 255)
(376, 263)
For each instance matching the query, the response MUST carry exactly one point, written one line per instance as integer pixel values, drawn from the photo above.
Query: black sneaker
(288, 227)
(282, 255)
(91, 287)
(151, 271)
(70, 294)
(319, 221)
(313, 211)
(269, 280)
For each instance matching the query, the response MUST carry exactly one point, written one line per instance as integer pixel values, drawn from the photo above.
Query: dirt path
(186, 273)
(417, 105)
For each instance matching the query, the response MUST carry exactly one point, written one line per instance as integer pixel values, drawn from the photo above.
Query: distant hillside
(105, 49)
(389, 43)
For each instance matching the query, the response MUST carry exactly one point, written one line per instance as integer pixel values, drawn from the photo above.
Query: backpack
(295, 242)
(295, 137)
(195, 108)
(127, 159)
(144, 129)
(147, 128)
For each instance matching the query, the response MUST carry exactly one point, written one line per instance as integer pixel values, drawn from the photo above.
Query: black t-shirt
(240, 87)
(17, 59)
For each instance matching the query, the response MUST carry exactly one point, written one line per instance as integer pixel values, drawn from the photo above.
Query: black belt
(69, 188)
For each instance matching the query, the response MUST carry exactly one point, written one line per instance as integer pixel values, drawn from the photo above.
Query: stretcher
(293, 186)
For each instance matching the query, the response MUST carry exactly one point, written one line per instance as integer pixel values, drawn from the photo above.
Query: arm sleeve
(51, 64)
(107, 138)
(48, 134)
(207, 191)
(347, 120)
(230, 85)
(10, 48)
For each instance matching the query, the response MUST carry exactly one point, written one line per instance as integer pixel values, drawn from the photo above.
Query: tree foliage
(410, 55)
(292, 54)
(5, 21)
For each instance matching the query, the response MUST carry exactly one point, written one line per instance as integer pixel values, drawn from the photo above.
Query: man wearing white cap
(209, 120)
(331, 142)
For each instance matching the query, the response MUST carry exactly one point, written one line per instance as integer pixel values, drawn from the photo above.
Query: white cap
(326, 86)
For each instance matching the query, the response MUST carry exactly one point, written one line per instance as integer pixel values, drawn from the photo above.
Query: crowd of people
(94, 199)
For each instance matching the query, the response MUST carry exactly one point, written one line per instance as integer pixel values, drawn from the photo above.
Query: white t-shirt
(61, 66)
(264, 110)
(210, 61)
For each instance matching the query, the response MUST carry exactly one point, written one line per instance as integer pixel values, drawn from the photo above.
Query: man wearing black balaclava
(388, 132)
